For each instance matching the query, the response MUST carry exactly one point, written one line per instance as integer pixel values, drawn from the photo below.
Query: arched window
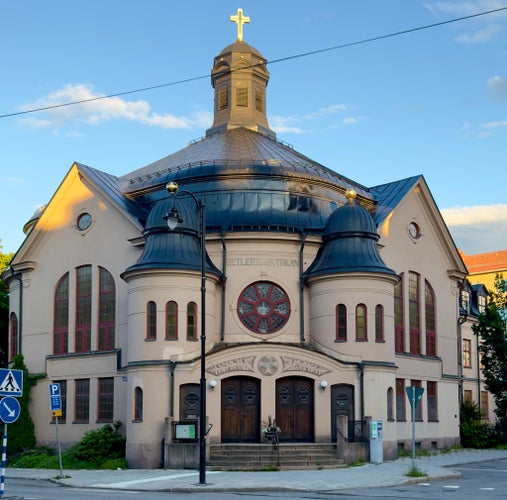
(171, 321)
(107, 310)
(83, 309)
(138, 404)
(431, 333)
(13, 351)
(151, 320)
(390, 404)
(361, 326)
(191, 321)
(341, 323)
(414, 305)
(61, 316)
(379, 323)
(399, 329)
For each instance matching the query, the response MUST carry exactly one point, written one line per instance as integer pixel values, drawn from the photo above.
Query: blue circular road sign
(9, 409)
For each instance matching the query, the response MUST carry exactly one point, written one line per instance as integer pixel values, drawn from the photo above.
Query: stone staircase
(288, 456)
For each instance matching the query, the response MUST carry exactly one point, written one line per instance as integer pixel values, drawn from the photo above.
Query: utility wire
(274, 61)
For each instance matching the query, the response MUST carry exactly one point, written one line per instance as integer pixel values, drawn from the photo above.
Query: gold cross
(240, 19)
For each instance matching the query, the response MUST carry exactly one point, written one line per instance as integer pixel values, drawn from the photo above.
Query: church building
(324, 298)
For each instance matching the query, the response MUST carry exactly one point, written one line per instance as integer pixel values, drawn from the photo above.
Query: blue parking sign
(55, 400)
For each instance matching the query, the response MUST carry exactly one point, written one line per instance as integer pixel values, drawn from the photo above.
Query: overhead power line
(274, 61)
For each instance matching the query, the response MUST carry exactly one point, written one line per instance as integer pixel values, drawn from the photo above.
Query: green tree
(21, 434)
(4, 309)
(491, 329)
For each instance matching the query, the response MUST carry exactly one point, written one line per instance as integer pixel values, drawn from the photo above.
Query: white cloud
(480, 36)
(289, 124)
(328, 110)
(478, 229)
(497, 87)
(466, 8)
(99, 109)
(497, 124)
(489, 30)
(476, 214)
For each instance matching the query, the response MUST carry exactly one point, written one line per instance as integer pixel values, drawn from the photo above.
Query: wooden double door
(241, 403)
(295, 409)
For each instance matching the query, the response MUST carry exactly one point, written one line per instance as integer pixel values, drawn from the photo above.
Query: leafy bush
(474, 432)
(103, 448)
(99, 445)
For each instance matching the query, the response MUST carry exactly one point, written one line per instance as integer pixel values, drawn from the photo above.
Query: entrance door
(241, 404)
(342, 403)
(294, 408)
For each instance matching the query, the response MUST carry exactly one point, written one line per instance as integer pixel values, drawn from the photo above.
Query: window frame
(432, 400)
(399, 316)
(106, 311)
(83, 313)
(379, 323)
(430, 319)
(61, 316)
(401, 406)
(361, 323)
(151, 320)
(414, 312)
(13, 335)
(466, 353)
(171, 321)
(82, 401)
(105, 399)
(138, 404)
(192, 321)
(341, 323)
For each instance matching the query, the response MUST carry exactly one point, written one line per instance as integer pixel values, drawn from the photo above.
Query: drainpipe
(361, 388)
(461, 320)
(301, 288)
(20, 319)
(172, 366)
(478, 363)
(224, 281)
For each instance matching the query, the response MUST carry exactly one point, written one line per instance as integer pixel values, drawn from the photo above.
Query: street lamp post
(173, 219)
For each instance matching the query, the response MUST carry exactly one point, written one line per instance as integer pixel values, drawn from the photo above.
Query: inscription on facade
(302, 365)
(245, 364)
(262, 261)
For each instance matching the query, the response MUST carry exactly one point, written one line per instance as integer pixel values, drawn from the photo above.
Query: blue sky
(431, 102)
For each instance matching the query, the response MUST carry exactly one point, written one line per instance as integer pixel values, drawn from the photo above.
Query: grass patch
(414, 471)
(357, 463)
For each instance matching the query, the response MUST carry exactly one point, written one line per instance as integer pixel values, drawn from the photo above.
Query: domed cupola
(350, 243)
(172, 249)
(240, 77)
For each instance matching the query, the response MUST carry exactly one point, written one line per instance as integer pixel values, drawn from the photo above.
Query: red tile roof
(486, 262)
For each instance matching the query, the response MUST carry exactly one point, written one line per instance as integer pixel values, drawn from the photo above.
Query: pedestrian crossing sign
(11, 382)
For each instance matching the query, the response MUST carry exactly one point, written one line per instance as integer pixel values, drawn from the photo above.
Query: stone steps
(264, 456)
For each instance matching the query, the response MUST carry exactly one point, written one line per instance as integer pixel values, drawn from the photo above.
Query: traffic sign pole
(4, 461)
(55, 405)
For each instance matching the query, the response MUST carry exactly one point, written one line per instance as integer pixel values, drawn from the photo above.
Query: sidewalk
(327, 480)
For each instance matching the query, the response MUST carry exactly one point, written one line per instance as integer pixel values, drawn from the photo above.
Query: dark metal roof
(389, 195)
(350, 244)
(179, 248)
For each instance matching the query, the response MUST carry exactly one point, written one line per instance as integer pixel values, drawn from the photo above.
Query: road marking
(488, 489)
(451, 487)
(122, 484)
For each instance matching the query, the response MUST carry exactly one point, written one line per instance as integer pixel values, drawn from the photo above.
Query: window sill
(340, 341)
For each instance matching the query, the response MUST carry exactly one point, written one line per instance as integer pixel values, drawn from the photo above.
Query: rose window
(263, 307)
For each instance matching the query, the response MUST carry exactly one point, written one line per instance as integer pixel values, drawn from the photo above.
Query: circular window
(414, 230)
(84, 221)
(263, 307)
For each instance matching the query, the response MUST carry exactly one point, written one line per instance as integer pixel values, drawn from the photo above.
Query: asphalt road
(483, 480)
